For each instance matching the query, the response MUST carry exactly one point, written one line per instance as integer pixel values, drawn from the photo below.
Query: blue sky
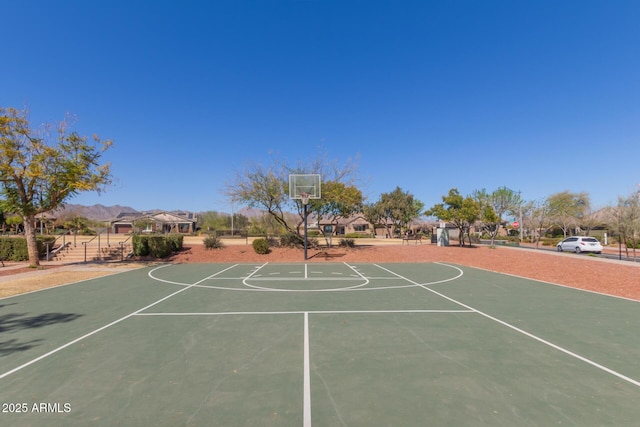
(539, 96)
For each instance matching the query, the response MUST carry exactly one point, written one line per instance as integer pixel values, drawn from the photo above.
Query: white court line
(306, 405)
(259, 278)
(354, 277)
(70, 343)
(72, 283)
(522, 331)
(247, 313)
(150, 275)
(306, 411)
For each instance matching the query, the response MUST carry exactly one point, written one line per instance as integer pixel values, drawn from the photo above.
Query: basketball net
(304, 197)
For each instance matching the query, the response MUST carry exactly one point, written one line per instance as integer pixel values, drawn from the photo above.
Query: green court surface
(318, 344)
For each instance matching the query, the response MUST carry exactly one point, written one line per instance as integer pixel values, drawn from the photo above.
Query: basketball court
(318, 344)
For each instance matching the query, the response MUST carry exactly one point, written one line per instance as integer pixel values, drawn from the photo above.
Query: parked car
(579, 244)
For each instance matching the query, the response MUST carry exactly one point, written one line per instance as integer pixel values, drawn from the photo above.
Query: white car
(579, 244)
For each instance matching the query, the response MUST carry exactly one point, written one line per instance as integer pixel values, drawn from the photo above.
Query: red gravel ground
(580, 271)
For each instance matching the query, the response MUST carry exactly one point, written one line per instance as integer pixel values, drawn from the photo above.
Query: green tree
(490, 220)
(460, 211)
(339, 200)
(338, 187)
(538, 217)
(237, 222)
(494, 206)
(395, 209)
(13, 222)
(211, 220)
(265, 224)
(567, 209)
(375, 214)
(42, 168)
(263, 188)
(267, 188)
(627, 219)
(76, 223)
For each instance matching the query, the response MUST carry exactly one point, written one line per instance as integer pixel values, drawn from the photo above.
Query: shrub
(175, 241)
(156, 246)
(291, 240)
(629, 244)
(347, 243)
(473, 238)
(15, 248)
(19, 251)
(273, 242)
(547, 241)
(261, 246)
(159, 246)
(140, 245)
(357, 235)
(212, 242)
(42, 241)
(6, 248)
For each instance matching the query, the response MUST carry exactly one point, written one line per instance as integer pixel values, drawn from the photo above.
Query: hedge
(156, 246)
(15, 248)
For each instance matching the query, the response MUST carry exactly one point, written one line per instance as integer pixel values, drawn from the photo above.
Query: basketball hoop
(305, 187)
(305, 198)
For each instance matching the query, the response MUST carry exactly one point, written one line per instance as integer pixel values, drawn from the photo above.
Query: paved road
(608, 253)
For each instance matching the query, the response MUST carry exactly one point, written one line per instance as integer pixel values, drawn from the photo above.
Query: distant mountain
(95, 212)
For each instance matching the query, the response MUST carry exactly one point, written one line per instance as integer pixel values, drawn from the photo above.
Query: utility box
(443, 237)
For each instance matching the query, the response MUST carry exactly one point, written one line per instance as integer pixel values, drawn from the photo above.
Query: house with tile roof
(154, 222)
